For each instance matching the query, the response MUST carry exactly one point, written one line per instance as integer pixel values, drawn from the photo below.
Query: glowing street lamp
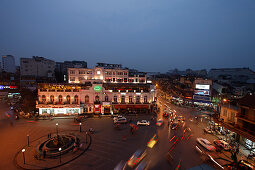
(57, 128)
(23, 152)
(80, 127)
(59, 149)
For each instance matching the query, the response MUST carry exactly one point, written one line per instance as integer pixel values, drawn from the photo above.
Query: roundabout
(52, 152)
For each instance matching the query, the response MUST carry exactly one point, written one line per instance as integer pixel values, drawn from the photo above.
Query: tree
(28, 100)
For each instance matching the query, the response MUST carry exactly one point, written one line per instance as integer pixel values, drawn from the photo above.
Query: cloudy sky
(150, 35)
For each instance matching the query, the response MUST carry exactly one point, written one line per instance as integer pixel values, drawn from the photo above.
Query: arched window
(122, 99)
(97, 98)
(43, 98)
(145, 99)
(115, 99)
(76, 99)
(68, 99)
(86, 99)
(106, 98)
(60, 98)
(137, 99)
(130, 99)
(51, 98)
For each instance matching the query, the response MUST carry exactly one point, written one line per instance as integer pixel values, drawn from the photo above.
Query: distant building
(62, 67)
(36, 69)
(8, 64)
(229, 75)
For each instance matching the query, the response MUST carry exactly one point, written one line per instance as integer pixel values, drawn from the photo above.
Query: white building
(107, 98)
(106, 73)
(8, 64)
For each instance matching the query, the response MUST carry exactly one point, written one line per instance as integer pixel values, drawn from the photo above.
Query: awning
(139, 106)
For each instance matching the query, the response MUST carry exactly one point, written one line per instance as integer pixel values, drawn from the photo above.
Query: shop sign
(97, 88)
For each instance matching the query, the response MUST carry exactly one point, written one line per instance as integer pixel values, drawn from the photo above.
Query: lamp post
(86, 137)
(27, 139)
(57, 128)
(80, 127)
(23, 152)
(59, 149)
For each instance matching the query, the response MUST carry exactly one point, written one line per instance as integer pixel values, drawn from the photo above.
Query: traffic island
(53, 152)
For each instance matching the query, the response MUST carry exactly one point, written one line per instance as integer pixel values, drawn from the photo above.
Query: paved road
(183, 152)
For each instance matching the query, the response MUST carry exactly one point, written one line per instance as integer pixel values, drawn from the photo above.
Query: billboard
(203, 86)
(202, 92)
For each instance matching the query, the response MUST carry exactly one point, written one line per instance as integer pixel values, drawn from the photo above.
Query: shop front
(58, 111)
(97, 108)
(106, 108)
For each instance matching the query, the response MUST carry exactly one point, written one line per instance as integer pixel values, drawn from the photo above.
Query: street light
(23, 151)
(86, 137)
(27, 139)
(59, 149)
(57, 128)
(80, 127)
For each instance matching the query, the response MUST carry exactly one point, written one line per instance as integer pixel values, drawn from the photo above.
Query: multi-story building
(202, 91)
(107, 73)
(62, 68)
(105, 98)
(8, 64)
(246, 120)
(36, 69)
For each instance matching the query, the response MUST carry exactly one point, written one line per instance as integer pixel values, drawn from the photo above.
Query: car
(222, 144)
(246, 165)
(207, 130)
(159, 122)
(174, 125)
(136, 158)
(206, 144)
(182, 118)
(142, 166)
(117, 117)
(143, 122)
(120, 165)
(153, 141)
(120, 120)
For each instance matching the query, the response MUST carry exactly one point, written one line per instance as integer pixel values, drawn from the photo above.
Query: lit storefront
(59, 111)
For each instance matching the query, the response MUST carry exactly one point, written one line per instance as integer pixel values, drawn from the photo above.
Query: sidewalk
(31, 162)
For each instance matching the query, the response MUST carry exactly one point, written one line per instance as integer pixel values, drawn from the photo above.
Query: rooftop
(248, 101)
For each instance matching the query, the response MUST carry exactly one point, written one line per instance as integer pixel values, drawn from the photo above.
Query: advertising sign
(202, 92)
(202, 86)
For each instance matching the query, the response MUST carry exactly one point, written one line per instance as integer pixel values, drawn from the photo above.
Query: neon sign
(97, 88)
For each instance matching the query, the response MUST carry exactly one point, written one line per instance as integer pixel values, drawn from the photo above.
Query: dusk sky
(150, 35)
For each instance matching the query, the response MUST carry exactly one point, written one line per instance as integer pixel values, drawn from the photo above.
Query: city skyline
(146, 35)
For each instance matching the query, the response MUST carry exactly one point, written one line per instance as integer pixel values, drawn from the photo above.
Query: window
(68, 99)
(98, 72)
(106, 98)
(145, 99)
(115, 99)
(60, 98)
(86, 99)
(82, 72)
(72, 78)
(89, 72)
(97, 98)
(113, 73)
(113, 79)
(76, 99)
(43, 98)
(72, 72)
(122, 99)
(125, 73)
(225, 112)
(125, 79)
(51, 98)
(137, 99)
(130, 99)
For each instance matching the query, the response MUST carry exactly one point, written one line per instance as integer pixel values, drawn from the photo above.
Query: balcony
(131, 103)
(122, 102)
(114, 102)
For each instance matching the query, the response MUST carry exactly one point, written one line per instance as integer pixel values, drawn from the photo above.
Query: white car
(143, 122)
(206, 144)
(117, 117)
(120, 120)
